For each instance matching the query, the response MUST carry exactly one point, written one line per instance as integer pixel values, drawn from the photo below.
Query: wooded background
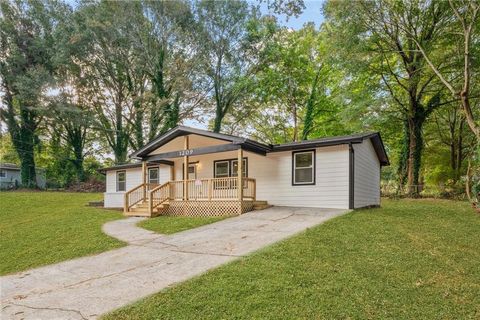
(85, 83)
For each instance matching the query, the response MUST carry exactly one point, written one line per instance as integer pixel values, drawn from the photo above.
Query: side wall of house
(367, 175)
(274, 182)
(114, 198)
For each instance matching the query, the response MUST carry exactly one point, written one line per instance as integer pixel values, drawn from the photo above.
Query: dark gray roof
(183, 130)
(338, 140)
(254, 146)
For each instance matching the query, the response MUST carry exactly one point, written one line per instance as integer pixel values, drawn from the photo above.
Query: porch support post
(185, 169)
(240, 180)
(144, 179)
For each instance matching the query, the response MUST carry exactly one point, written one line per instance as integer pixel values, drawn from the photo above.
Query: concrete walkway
(87, 287)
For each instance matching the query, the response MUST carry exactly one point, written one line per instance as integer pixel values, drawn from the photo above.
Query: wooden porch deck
(200, 197)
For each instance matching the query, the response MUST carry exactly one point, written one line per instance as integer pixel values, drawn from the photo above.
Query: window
(229, 168)
(303, 167)
(235, 168)
(121, 180)
(3, 173)
(222, 169)
(153, 175)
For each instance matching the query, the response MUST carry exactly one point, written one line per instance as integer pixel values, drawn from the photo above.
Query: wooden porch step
(261, 205)
(143, 211)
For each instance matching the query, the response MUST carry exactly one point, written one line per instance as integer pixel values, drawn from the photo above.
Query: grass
(170, 224)
(411, 259)
(39, 228)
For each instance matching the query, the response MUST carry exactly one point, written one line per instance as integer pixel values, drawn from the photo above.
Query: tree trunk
(295, 123)
(403, 158)
(28, 174)
(415, 149)
(120, 149)
(459, 150)
(24, 141)
(138, 124)
(217, 123)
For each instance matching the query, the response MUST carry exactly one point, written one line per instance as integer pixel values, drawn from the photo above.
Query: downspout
(351, 177)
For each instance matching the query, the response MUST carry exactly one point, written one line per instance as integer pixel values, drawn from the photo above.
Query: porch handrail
(133, 196)
(158, 195)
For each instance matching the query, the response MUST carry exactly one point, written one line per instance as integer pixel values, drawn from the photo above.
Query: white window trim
(294, 167)
(117, 181)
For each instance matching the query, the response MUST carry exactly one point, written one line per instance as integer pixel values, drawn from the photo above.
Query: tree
(112, 69)
(464, 52)
(168, 50)
(380, 31)
(294, 79)
(224, 55)
(27, 68)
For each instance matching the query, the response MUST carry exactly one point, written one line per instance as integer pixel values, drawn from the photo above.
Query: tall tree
(112, 68)
(465, 53)
(294, 85)
(27, 67)
(379, 31)
(226, 60)
(168, 52)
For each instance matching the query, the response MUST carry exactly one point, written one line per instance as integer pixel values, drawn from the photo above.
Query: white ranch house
(336, 172)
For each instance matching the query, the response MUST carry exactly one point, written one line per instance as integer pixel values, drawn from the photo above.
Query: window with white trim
(121, 180)
(303, 170)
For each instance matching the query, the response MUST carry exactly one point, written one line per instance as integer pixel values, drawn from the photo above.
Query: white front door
(153, 175)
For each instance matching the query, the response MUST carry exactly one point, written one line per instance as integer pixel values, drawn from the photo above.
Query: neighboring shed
(10, 176)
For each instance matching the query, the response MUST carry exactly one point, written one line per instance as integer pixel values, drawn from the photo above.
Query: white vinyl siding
(114, 198)
(273, 174)
(367, 175)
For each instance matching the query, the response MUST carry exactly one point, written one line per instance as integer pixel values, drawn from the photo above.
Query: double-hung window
(303, 171)
(222, 169)
(121, 180)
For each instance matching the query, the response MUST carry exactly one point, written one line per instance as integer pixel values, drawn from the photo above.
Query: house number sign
(184, 153)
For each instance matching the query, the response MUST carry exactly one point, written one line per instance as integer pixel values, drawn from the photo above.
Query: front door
(153, 176)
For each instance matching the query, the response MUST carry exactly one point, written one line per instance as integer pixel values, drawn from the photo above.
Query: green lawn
(412, 259)
(39, 228)
(169, 224)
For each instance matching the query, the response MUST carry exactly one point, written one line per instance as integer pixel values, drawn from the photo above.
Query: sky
(312, 13)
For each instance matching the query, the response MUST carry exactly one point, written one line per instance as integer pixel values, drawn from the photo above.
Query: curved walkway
(127, 231)
(87, 287)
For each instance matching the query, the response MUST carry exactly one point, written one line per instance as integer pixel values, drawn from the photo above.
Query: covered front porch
(209, 182)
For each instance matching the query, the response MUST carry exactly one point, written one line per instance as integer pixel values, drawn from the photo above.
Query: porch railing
(199, 189)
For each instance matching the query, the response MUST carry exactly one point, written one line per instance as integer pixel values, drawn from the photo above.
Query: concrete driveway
(87, 287)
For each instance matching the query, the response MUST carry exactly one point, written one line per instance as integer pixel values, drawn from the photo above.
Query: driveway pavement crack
(52, 309)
